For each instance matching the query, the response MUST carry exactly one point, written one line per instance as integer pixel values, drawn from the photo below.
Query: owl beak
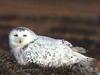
(20, 41)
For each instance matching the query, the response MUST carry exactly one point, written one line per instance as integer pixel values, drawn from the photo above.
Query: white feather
(45, 51)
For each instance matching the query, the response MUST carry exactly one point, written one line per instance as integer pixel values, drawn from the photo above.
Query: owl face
(20, 36)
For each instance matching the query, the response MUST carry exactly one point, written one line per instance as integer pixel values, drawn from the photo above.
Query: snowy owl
(28, 47)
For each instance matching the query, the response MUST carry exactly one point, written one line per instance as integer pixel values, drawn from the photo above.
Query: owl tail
(86, 66)
(89, 63)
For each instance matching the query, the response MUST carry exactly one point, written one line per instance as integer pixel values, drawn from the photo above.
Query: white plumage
(28, 47)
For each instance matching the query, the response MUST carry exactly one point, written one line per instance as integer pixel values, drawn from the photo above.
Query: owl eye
(16, 35)
(24, 35)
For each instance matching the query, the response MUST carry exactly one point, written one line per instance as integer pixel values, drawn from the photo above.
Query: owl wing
(79, 49)
(72, 54)
(63, 42)
(55, 53)
(76, 49)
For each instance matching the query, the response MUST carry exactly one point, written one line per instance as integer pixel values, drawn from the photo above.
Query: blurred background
(77, 21)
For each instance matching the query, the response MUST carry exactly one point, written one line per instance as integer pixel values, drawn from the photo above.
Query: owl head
(20, 36)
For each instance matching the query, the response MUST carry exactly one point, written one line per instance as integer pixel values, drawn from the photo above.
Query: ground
(9, 66)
